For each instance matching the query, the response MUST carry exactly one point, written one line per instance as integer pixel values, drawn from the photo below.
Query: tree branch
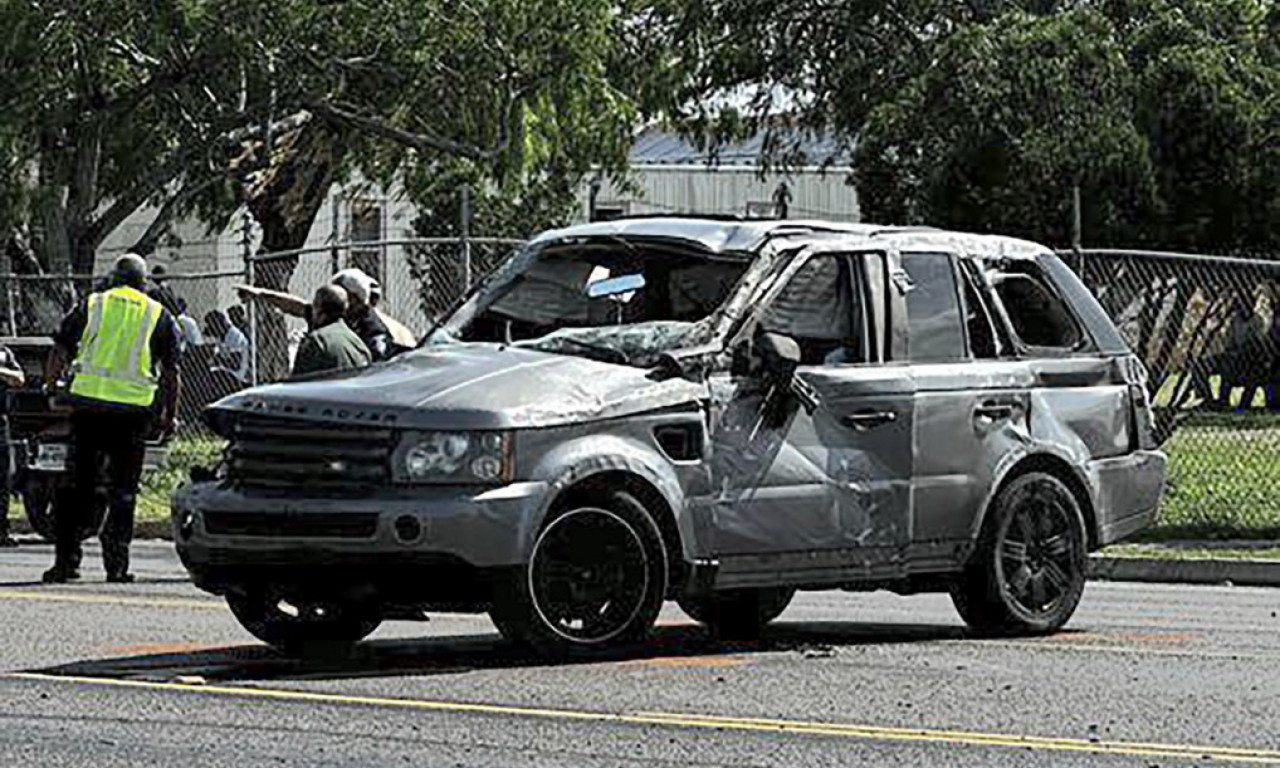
(128, 202)
(418, 141)
(146, 244)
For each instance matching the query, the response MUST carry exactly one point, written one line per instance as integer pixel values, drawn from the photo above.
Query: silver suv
(714, 412)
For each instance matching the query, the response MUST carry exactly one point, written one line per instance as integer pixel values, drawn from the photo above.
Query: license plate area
(50, 457)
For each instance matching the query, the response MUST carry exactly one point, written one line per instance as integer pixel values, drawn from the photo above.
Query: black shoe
(120, 577)
(60, 575)
(8, 541)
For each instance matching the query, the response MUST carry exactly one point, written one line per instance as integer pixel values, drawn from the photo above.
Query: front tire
(1028, 573)
(297, 625)
(738, 613)
(596, 578)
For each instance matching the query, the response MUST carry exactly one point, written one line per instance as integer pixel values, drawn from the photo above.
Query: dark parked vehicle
(714, 412)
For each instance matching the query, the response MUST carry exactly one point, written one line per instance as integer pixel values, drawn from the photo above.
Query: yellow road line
(684, 720)
(103, 599)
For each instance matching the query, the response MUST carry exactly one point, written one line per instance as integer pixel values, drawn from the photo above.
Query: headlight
(454, 457)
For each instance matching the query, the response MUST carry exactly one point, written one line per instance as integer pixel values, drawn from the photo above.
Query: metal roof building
(674, 176)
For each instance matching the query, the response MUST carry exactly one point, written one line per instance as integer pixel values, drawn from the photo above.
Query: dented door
(835, 479)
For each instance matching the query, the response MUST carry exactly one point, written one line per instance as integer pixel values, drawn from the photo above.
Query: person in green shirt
(330, 345)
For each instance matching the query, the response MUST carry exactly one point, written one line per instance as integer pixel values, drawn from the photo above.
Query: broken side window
(1038, 316)
(817, 309)
(933, 309)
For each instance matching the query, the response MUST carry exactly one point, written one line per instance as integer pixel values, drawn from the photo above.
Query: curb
(1254, 573)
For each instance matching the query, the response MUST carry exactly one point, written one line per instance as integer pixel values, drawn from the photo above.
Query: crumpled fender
(575, 460)
(1047, 437)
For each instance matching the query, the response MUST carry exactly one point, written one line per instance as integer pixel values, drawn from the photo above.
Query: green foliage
(109, 104)
(984, 115)
(1009, 116)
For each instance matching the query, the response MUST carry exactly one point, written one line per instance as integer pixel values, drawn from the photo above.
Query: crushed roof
(721, 236)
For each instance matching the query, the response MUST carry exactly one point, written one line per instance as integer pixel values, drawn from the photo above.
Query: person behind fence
(160, 290)
(330, 345)
(361, 315)
(1240, 363)
(189, 334)
(232, 353)
(123, 350)
(401, 336)
(11, 376)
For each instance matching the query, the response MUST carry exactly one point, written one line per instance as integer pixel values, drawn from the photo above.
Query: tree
(112, 103)
(1007, 119)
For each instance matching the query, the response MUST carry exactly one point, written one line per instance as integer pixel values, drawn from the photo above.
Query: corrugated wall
(698, 189)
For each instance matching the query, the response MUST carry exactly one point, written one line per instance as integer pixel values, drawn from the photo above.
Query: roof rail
(686, 215)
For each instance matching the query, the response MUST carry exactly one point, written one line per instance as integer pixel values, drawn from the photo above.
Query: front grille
(281, 453)
(341, 525)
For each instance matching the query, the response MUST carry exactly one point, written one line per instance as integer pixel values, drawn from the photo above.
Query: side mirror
(779, 355)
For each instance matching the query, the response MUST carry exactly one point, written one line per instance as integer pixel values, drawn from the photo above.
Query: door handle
(994, 410)
(869, 419)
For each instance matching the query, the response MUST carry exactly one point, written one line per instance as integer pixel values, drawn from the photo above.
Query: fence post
(334, 262)
(464, 227)
(246, 246)
(9, 287)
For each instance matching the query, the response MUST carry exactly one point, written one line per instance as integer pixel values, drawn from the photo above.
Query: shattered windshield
(612, 300)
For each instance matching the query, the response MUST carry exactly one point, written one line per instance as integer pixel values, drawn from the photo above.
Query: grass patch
(1223, 479)
(184, 453)
(1166, 552)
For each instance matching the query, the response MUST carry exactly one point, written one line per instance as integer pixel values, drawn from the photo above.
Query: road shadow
(459, 654)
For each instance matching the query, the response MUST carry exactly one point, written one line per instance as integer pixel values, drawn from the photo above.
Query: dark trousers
(119, 436)
(6, 476)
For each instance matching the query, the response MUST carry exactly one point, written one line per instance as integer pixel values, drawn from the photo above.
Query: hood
(467, 386)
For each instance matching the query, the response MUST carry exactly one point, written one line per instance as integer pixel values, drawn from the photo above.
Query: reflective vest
(114, 362)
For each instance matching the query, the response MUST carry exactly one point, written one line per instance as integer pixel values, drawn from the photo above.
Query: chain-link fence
(1208, 329)
(228, 345)
(420, 278)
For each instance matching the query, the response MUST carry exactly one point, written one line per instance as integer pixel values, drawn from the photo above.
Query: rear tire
(596, 577)
(738, 613)
(297, 625)
(1028, 572)
(45, 494)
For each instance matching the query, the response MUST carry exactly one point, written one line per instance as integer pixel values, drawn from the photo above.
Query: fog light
(408, 528)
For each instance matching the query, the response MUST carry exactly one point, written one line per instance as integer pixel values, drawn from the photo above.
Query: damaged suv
(719, 413)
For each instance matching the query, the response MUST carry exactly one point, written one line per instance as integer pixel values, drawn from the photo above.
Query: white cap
(357, 283)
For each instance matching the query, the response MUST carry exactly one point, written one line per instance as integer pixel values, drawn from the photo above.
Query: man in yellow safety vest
(117, 339)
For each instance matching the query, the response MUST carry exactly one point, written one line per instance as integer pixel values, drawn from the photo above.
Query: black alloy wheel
(1029, 571)
(296, 624)
(596, 577)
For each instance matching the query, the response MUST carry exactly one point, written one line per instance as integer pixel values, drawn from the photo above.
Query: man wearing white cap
(400, 334)
(367, 323)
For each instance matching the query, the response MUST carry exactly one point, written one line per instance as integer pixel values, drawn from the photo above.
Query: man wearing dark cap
(330, 345)
(123, 350)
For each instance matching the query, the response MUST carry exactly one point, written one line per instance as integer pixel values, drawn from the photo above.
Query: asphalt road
(158, 673)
